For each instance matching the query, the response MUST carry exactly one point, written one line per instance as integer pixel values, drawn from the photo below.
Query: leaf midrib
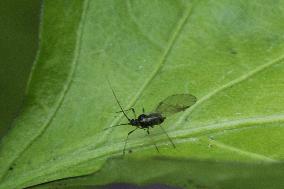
(106, 150)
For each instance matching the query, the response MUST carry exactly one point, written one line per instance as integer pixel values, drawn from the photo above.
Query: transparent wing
(175, 103)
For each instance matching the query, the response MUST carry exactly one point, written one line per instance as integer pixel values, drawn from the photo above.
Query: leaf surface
(229, 54)
(181, 173)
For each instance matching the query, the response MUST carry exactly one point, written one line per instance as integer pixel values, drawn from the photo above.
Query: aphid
(172, 104)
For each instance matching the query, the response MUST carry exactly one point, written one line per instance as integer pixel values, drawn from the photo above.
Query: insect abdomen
(152, 119)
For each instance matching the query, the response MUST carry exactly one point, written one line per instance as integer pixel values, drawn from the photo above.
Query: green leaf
(228, 54)
(183, 173)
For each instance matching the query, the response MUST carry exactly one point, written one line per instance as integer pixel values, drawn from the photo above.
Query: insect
(172, 104)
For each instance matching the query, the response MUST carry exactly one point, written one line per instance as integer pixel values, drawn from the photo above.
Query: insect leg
(152, 140)
(168, 136)
(127, 139)
(134, 113)
(143, 110)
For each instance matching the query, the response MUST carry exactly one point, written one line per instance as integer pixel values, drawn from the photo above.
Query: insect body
(146, 121)
(172, 104)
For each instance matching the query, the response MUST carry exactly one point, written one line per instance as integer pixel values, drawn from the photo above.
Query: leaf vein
(232, 83)
(137, 25)
(75, 158)
(242, 152)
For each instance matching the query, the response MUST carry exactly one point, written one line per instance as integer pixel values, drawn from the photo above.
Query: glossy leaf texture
(229, 54)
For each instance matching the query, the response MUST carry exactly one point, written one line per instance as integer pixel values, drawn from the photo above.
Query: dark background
(19, 23)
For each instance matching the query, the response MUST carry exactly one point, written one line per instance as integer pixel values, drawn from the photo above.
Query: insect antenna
(118, 101)
(117, 125)
(168, 136)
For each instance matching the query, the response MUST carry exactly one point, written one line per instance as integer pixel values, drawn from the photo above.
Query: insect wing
(175, 103)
